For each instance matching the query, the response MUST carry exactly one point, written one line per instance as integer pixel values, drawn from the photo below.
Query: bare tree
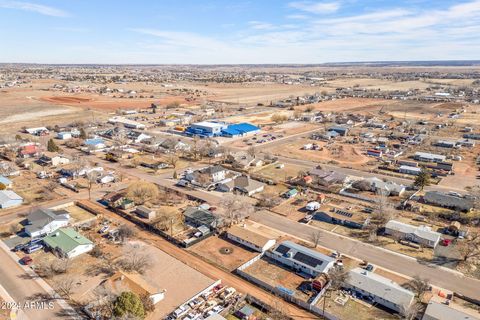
(236, 208)
(134, 260)
(315, 237)
(251, 151)
(126, 232)
(337, 277)
(418, 285)
(173, 160)
(383, 212)
(470, 248)
(142, 191)
(64, 286)
(412, 311)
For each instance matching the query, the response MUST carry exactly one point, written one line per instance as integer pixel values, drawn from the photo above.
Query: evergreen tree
(52, 146)
(422, 180)
(129, 304)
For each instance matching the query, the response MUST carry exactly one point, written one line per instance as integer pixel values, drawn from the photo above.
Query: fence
(310, 306)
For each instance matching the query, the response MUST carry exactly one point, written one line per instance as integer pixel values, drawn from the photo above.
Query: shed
(145, 212)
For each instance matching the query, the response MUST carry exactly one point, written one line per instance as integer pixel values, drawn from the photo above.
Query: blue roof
(5, 181)
(94, 141)
(240, 128)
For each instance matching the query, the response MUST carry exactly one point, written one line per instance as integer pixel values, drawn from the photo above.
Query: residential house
(429, 157)
(207, 177)
(450, 200)
(6, 182)
(137, 137)
(68, 243)
(44, 221)
(241, 159)
(344, 218)
(445, 144)
(306, 261)
(250, 239)
(341, 130)
(9, 199)
(422, 235)
(387, 188)
(52, 159)
(39, 131)
(65, 135)
(127, 123)
(379, 290)
(440, 311)
(28, 151)
(133, 282)
(242, 184)
(328, 178)
(410, 170)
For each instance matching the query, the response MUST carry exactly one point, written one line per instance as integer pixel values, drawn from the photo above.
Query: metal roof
(380, 287)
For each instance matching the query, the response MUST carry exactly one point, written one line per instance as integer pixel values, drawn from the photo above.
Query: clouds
(315, 7)
(283, 31)
(33, 7)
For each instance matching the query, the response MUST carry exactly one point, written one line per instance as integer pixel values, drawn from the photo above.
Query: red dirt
(111, 104)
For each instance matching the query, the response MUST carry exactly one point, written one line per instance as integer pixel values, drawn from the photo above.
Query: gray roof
(422, 232)
(449, 200)
(328, 176)
(427, 155)
(40, 218)
(8, 195)
(295, 252)
(380, 287)
(440, 311)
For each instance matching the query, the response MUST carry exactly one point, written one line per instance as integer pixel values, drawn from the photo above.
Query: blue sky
(236, 31)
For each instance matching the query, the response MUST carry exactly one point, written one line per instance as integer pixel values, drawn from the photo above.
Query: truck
(312, 206)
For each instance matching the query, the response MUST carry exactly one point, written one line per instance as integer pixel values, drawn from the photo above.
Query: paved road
(22, 288)
(384, 258)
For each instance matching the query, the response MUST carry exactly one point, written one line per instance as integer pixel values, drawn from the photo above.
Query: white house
(301, 259)
(423, 235)
(66, 242)
(64, 135)
(9, 199)
(250, 239)
(380, 290)
(45, 221)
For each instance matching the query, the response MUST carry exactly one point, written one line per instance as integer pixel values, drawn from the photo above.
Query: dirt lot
(211, 250)
(346, 154)
(268, 271)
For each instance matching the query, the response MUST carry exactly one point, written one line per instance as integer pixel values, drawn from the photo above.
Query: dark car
(369, 267)
(26, 260)
(19, 247)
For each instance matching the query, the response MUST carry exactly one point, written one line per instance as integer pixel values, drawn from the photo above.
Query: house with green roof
(68, 243)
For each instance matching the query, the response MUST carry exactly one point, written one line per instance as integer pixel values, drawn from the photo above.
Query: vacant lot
(222, 252)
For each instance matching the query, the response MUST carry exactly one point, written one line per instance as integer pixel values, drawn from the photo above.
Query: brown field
(348, 154)
(209, 249)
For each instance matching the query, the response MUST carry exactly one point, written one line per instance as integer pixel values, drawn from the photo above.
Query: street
(386, 259)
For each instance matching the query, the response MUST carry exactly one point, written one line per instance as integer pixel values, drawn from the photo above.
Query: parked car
(369, 267)
(26, 260)
(35, 241)
(103, 229)
(19, 247)
(312, 206)
(33, 248)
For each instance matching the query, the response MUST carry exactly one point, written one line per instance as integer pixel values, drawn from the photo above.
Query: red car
(446, 242)
(26, 260)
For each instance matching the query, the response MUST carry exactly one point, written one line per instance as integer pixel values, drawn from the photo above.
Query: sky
(237, 31)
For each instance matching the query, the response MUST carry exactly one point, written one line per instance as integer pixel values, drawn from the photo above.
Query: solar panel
(344, 213)
(282, 249)
(308, 260)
